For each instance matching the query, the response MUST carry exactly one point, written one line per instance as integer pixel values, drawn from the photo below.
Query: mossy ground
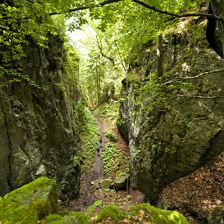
(89, 139)
(115, 154)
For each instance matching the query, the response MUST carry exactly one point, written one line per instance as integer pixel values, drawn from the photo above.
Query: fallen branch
(202, 74)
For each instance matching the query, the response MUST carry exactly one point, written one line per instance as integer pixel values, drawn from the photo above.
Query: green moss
(111, 136)
(111, 211)
(89, 138)
(30, 202)
(158, 215)
(76, 218)
(71, 218)
(55, 219)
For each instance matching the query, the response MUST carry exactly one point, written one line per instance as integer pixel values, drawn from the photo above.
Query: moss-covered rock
(29, 203)
(105, 183)
(175, 122)
(38, 200)
(39, 133)
(111, 136)
(112, 212)
(155, 215)
(72, 218)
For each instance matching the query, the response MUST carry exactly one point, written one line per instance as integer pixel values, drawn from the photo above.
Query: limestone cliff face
(174, 124)
(38, 135)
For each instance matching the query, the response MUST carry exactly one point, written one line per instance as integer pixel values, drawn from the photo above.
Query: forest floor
(197, 194)
(108, 163)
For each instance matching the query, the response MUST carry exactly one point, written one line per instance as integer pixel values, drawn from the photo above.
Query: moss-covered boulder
(29, 203)
(112, 212)
(111, 136)
(72, 218)
(141, 213)
(155, 215)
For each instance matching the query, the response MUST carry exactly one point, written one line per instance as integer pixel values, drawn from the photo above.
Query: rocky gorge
(79, 146)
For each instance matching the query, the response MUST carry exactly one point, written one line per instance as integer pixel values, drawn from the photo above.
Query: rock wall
(175, 123)
(38, 133)
(215, 28)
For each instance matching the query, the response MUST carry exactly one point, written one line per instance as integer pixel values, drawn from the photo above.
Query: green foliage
(76, 218)
(89, 137)
(112, 159)
(71, 218)
(54, 219)
(93, 207)
(108, 156)
(109, 111)
(72, 66)
(111, 211)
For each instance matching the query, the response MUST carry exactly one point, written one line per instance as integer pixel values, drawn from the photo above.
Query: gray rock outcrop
(175, 123)
(38, 134)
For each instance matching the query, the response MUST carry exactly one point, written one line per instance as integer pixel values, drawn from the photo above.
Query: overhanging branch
(99, 44)
(209, 16)
(106, 2)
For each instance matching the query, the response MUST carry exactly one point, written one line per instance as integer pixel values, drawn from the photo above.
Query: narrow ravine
(93, 180)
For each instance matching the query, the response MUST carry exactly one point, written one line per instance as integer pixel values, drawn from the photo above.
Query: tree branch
(209, 16)
(202, 74)
(99, 44)
(106, 2)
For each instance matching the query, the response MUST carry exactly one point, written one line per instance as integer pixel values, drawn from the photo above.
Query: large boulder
(29, 203)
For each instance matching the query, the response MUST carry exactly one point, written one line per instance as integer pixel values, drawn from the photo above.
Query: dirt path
(91, 189)
(87, 197)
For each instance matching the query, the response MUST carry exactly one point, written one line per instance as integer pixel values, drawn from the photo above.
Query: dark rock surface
(38, 135)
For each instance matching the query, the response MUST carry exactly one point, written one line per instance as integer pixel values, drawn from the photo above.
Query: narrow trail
(91, 189)
(87, 197)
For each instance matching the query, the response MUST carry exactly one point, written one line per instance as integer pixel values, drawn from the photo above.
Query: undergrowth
(89, 135)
